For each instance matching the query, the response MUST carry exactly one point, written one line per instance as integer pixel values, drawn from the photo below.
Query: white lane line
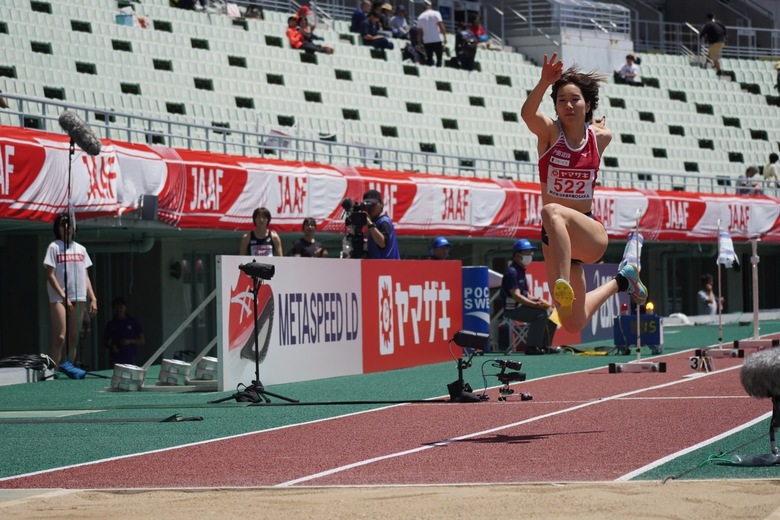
(163, 450)
(671, 457)
(418, 449)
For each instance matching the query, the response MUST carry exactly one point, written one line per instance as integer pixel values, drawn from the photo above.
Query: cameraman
(382, 243)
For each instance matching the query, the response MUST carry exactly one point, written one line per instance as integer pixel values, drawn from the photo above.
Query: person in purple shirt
(122, 335)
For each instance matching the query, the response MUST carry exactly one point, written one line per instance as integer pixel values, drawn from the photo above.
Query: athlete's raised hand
(552, 69)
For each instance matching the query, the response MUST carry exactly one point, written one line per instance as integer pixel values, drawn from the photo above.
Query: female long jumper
(570, 149)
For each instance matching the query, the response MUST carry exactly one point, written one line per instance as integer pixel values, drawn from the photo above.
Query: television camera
(355, 219)
(510, 377)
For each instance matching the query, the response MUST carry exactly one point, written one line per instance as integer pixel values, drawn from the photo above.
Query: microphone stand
(66, 241)
(255, 392)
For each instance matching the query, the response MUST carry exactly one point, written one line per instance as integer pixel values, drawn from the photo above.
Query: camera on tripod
(355, 219)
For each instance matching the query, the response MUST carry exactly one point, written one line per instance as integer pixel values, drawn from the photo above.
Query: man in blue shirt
(519, 306)
(382, 242)
(359, 15)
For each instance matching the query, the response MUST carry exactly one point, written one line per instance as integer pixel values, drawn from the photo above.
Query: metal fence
(42, 114)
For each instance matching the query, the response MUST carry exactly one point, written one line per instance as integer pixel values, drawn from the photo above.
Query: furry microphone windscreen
(79, 132)
(761, 373)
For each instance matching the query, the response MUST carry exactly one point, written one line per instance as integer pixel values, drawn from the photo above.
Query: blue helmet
(441, 242)
(523, 245)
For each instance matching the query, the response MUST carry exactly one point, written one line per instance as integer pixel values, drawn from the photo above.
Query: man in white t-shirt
(629, 73)
(69, 288)
(434, 35)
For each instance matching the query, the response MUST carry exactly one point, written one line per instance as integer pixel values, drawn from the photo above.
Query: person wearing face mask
(519, 306)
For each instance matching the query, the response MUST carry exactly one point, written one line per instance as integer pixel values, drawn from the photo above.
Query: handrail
(534, 27)
(181, 328)
(599, 26)
(293, 148)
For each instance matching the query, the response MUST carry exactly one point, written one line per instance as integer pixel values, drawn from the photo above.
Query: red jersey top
(571, 173)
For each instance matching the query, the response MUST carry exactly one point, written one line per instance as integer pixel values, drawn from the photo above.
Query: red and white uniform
(77, 261)
(571, 173)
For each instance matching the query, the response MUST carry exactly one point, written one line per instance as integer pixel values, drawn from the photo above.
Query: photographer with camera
(382, 242)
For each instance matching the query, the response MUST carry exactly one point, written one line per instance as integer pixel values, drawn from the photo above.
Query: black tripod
(255, 391)
(459, 390)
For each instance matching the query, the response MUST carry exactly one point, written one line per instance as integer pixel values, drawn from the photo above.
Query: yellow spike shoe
(563, 293)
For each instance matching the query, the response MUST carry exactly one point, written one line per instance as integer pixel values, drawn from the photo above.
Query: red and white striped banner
(200, 190)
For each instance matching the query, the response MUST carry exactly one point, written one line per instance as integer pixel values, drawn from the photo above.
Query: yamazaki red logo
(102, 176)
(292, 195)
(456, 204)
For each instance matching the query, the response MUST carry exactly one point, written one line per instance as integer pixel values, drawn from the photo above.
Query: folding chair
(517, 334)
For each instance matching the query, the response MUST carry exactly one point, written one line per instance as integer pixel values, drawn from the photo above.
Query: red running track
(588, 426)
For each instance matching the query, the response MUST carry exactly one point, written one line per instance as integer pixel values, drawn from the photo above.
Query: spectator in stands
(629, 73)
(261, 241)
(434, 34)
(254, 11)
(777, 80)
(190, 4)
(306, 12)
(382, 243)
(465, 47)
(359, 16)
(746, 185)
(519, 305)
(122, 335)
(714, 33)
(301, 38)
(307, 245)
(399, 25)
(570, 150)
(369, 33)
(414, 50)
(440, 249)
(479, 31)
(3, 102)
(307, 29)
(708, 302)
(770, 171)
(385, 12)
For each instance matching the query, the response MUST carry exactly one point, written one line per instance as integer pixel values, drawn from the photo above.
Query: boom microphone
(761, 373)
(347, 204)
(79, 132)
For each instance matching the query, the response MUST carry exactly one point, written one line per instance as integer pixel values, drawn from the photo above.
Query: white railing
(44, 114)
